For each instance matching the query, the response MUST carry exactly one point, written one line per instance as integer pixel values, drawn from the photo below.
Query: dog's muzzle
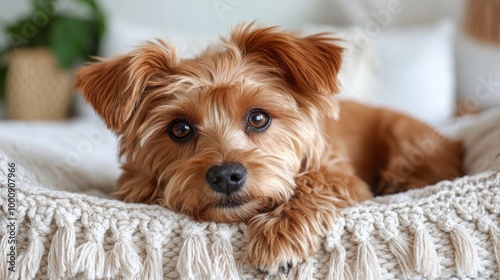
(226, 178)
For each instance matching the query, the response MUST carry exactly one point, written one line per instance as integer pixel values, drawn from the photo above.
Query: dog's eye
(258, 120)
(180, 130)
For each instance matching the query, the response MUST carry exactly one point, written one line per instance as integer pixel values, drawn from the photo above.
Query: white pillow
(123, 37)
(478, 73)
(417, 73)
(356, 77)
(407, 69)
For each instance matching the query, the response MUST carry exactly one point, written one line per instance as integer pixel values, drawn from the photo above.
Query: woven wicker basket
(482, 20)
(37, 88)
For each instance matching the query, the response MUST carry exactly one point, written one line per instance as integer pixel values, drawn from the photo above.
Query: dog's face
(219, 137)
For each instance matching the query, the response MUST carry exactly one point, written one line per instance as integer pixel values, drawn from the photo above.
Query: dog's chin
(231, 203)
(231, 210)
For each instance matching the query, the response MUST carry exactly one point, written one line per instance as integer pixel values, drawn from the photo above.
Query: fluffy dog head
(219, 137)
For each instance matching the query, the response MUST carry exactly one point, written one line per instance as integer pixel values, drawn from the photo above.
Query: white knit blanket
(450, 230)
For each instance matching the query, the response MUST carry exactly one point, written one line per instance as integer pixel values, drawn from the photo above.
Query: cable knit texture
(447, 230)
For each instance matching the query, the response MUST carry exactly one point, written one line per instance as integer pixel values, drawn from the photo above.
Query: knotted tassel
(90, 255)
(495, 237)
(224, 266)
(466, 257)
(153, 264)
(123, 259)
(194, 262)
(91, 258)
(486, 225)
(426, 258)
(399, 247)
(7, 232)
(425, 255)
(367, 266)
(387, 224)
(366, 262)
(305, 270)
(4, 249)
(62, 251)
(29, 261)
(338, 270)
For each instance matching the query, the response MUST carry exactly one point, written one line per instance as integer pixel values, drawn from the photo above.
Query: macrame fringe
(62, 252)
(29, 261)
(305, 270)
(495, 237)
(387, 224)
(399, 247)
(426, 259)
(153, 263)
(367, 266)
(91, 260)
(123, 260)
(4, 248)
(194, 262)
(338, 267)
(195, 258)
(466, 257)
(224, 266)
(153, 266)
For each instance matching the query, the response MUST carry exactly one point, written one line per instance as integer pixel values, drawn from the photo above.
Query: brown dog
(250, 131)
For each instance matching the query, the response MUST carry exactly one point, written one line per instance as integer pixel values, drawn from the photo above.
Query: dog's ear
(114, 87)
(309, 64)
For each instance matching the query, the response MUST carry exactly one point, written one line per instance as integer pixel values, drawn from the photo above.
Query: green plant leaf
(68, 38)
(28, 33)
(20, 33)
(99, 16)
(71, 38)
(43, 9)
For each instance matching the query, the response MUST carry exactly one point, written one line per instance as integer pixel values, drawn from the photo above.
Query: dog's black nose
(226, 178)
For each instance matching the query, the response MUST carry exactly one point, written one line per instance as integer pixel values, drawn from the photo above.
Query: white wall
(9, 12)
(212, 16)
(187, 23)
(216, 16)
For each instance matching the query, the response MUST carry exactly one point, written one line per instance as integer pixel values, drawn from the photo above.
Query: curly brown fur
(188, 138)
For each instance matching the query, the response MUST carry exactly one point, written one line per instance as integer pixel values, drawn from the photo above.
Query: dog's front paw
(286, 236)
(278, 243)
(272, 255)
